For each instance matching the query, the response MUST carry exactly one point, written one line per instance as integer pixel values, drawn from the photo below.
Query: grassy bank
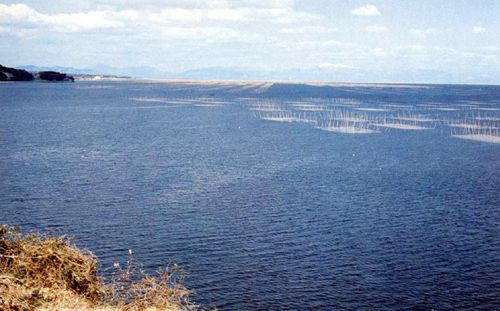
(44, 272)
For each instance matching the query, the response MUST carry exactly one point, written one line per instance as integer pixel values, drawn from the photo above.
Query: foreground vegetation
(43, 272)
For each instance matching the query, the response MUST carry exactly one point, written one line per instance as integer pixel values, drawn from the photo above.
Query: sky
(445, 41)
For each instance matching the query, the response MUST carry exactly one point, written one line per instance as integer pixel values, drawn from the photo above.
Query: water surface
(266, 215)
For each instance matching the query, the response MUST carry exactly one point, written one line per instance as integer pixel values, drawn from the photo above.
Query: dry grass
(42, 272)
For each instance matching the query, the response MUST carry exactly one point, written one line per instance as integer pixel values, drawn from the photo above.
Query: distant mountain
(140, 72)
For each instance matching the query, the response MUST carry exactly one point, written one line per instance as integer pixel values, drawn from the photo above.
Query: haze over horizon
(351, 41)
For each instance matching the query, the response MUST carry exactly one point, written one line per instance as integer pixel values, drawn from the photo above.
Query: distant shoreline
(116, 78)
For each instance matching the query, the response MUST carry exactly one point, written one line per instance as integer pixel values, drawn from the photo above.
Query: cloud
(413, 49)
(331, 66)
(198, 4)
(267, 3)
(478, 29)
(81, 21)
(269, 15)
(285, 16)
(24, 16)
(367, 10)
(422, 32)
(178, 15)
(489, 48)
(17, 12)
(445, 50)
(218, 33)
(227, 15)
(194, 16)
(339, 44)
(485, 59)
(376, 29)
(191, 14)
(275, 11)
(379, 52)
(129, 15)
(308, 30)
(243, 14)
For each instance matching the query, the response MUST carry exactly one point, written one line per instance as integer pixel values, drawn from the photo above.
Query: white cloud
(285, 16)
(423, 32)
(267, 3)
(376, 29)
(270, 11)
(445, 50)
(411, 49)
(198, 4)
(215, 3)
(178, 15)
(219, 33)
(130, 15)
(331, 66)
(269, 14)
(189, 14)
(308, 30)
(18, 12)
(23, 15)
(367, 10)
(489, 48)
(339, 44)
(478, 29)
(488, 58)
(227, 15)
(379, 52)
(80, 21)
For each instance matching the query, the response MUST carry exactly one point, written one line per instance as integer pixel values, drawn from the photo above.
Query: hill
(20, 75)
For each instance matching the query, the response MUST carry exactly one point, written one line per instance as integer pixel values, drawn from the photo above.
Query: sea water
(344, 204)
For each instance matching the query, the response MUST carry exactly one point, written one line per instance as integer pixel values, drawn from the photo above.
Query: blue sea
(269, 196)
